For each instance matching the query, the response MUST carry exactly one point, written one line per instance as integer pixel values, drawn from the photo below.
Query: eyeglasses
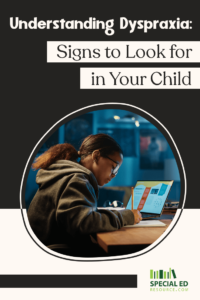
(115, 170)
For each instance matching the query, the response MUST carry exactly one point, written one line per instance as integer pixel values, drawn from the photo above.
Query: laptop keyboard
(148, 216)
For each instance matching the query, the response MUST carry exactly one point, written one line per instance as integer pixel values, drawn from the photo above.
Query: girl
(64, 209)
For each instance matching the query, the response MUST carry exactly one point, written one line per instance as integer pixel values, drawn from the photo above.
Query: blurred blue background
(147, 154)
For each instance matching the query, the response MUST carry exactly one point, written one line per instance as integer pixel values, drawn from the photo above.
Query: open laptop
(150, 197)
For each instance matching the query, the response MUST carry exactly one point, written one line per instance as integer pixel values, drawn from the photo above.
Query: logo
(164, 281)
(162, 274)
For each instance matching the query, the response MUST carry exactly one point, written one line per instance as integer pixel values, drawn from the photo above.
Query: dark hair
(153, 138)
(103, 142)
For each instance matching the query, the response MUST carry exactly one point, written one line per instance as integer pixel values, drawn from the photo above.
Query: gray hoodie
(64, 209)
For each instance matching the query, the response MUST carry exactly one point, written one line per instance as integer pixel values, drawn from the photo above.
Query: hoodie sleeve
(77, 210)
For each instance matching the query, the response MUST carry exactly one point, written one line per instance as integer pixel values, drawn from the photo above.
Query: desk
(129, 240)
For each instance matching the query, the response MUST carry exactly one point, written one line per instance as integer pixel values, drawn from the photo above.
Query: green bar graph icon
(162, 274)
(173, 273)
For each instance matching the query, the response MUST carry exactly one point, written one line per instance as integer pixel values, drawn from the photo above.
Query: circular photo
(104, 184)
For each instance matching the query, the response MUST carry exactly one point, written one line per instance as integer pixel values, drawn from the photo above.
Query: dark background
(35, 95)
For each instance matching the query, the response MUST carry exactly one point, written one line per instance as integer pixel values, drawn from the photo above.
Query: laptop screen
(150, 196)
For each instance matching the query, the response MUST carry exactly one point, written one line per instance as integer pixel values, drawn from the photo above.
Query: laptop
(150, 197)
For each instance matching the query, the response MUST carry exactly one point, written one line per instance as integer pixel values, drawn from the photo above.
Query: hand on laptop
(137, 216)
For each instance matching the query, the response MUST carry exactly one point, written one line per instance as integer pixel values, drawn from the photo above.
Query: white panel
(129, 52)
(179, 251)
(139, 78)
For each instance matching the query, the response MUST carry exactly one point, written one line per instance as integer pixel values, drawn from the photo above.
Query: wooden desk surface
(130, 240)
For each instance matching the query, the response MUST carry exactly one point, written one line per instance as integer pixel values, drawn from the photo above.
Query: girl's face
(105, 168)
